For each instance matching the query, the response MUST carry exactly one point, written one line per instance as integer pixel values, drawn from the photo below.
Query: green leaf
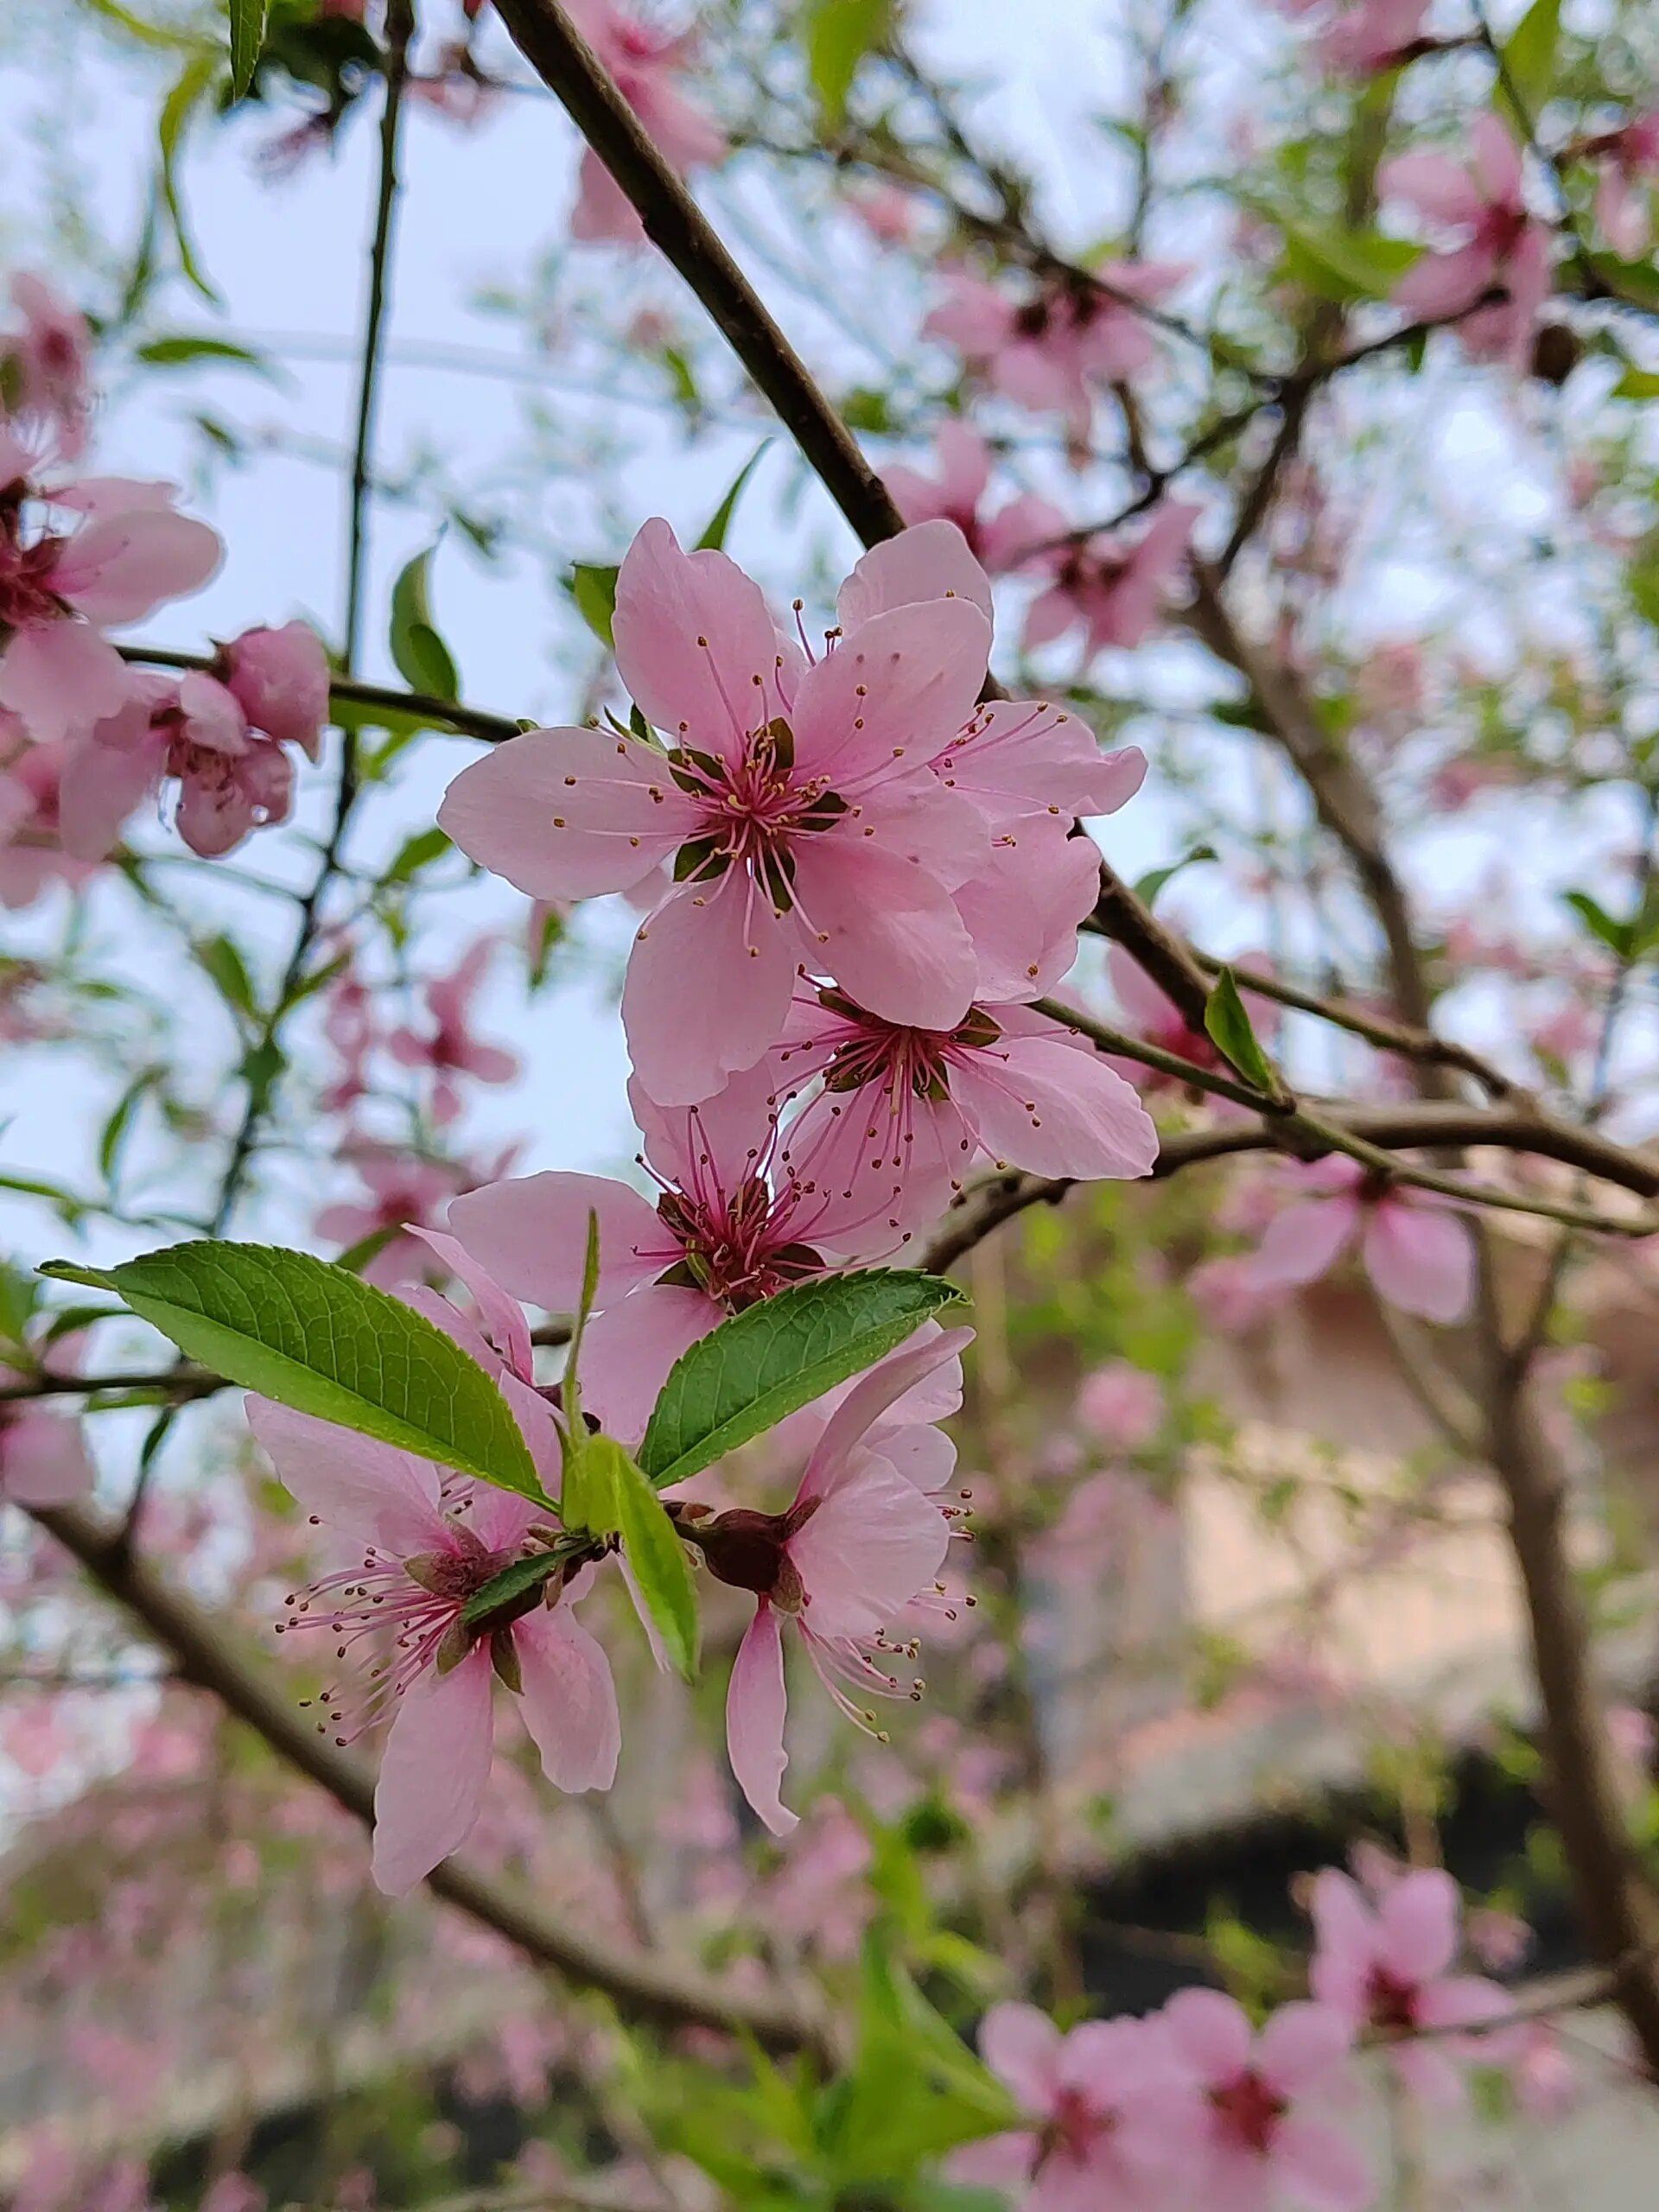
(159, 36)
(714, 538)
(189, 346)
(595, 592)
(1229, 1031)
(316, 1338)
(655, 1552)
(762, 1365)
(839, 33)
(1152, 883)
(119, 1124)
(418, 652)
(1340, 265)
(1530, 63)
(417, 853)
(1636, 383)
(1618, 936)
(228, 972)
(247, 36)
(512, 1582)
(195, 81)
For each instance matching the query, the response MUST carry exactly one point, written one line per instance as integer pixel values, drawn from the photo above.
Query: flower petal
(1418, 1924)
(1321, 2168)
(693, 634)
(629, 1349)
(885, 930)
(569, 813)
(931, 560)
(531, 1232)
(1304, 1241)
(370, 1492)
(756, 1704)
(569, 1699)
(1039, 1103)
(1302, 2045)
(433, 1772)
(1421, 1259)
(1210, 2032)
(874, 1543)
(896, 687)
(1021, 2046)
(709, 988)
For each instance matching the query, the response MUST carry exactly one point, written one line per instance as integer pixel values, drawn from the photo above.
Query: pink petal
(530, 1233)
(727, 1133)
(120, 567)
(1304, 1241)
(100, 787)
(1209, 2033)
(1421, 1259)
(503, 1316)
(1445, 283)
(433, 1772)
(1497, 160)
(704, 694)
(1319, 2168)
(900, 685)
(878, 1175)
(756, 1704)
(1347, 1947)
(707, 990)
(1023, 908)
(930, 560)
(874, 1542)
(1302, 2045)
(61, 678)
(912, 816)
(42, 1459)
(1025, 755)
(370, 1492)
(569, 1699)
(1021, 2046)
(1418, 1925)
(569, 813)
(1433, 183)
(878, 1393)
(885, 930)
(629, 1349)
(1040, 1104)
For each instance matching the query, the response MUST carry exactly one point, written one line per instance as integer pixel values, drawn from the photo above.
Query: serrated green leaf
(764, 1364)
(247, 36)
(714, 538)
(839, 33)
(512, 1582)
(1149, 885)
(1530, 63)
(661, 1570)
(1229, 1031)
(594, 589)
(419, 653)
(316, 1338)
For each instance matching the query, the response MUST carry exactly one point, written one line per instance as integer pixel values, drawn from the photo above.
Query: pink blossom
(1151, 1014)
(1387, 1965)
(280, 679)
(796, 806)
(1047, 352)
(956, 492)
(1629, 159)
(32, 857)
(1114, 587)
(1363, 36)
(1121, 1405)
(820, 1893)
(193, 730)
(403, 1190)
(429, 1541)
(42, 1457)
(450, 1049)
(1417, 1253)
(1111, 2123)
(74, 559)
(47, 364)
(888, 214)
(736, 1222)
(1259, 2142)
(646, 66)
(903, 1113)
(350, 1026)
(1502, 247)
(859, 1544)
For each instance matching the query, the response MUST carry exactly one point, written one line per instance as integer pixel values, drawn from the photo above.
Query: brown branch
(471, 722)
(644, 1986)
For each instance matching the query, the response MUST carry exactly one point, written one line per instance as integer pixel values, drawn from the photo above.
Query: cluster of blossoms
(1193, 2105)
(84, 737)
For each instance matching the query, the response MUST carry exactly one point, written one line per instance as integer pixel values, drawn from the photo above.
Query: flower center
(1250, 2111)
(1393, 2002)
(752, 811)
(1073, 2128)
(26, 595)
(733, 1246)
(908, 1062)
